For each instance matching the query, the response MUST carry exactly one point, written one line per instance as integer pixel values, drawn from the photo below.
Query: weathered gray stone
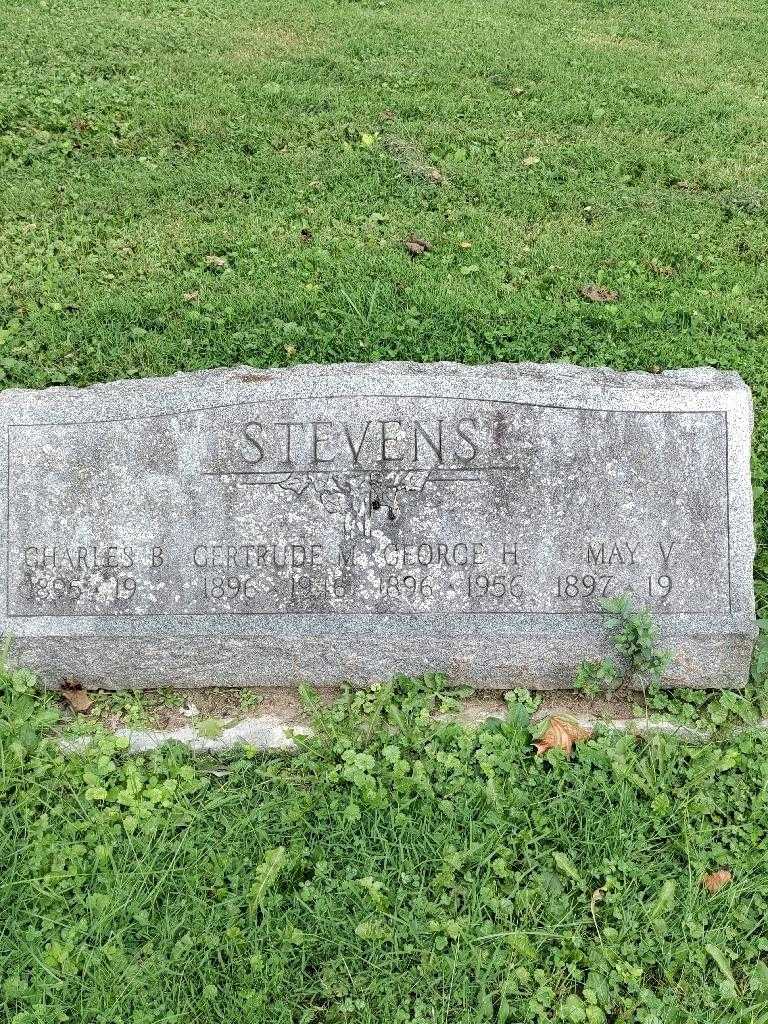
(332, 523)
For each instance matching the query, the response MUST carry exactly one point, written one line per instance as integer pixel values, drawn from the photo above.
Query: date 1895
(115, 589)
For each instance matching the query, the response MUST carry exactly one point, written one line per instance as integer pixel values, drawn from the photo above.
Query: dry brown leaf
(596, 293)
(416, 246)
(77, 698)
(715, 881)
(531, 161)
(561, 734)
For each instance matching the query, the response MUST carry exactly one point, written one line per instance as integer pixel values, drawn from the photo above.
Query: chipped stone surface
(263, 733)
(332, 523)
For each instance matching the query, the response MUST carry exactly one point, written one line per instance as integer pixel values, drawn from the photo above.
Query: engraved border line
(315, 398)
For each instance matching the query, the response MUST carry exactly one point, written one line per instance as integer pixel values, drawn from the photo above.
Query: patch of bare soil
(178, 708)
(606, 708)
(490, 704)
(412, 160)
(174, 709)
(264, 41)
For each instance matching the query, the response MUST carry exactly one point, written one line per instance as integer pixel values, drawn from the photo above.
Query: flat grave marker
(345, 523)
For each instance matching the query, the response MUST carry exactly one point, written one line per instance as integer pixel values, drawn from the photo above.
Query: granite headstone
(349, 522)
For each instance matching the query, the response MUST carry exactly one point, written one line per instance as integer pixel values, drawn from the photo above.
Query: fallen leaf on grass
(266, 875)
(561, 734)
(664, 901)
(566, 865)
(416, 246)
(596, 293)
(715, 881)
(77, 698)
(721, 960)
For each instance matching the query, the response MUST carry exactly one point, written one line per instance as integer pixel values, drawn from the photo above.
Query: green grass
(138, 139)
(397, 870)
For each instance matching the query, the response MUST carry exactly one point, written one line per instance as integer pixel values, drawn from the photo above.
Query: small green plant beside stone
(634, 637)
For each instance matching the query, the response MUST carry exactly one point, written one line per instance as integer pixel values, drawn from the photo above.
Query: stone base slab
(488, 655)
